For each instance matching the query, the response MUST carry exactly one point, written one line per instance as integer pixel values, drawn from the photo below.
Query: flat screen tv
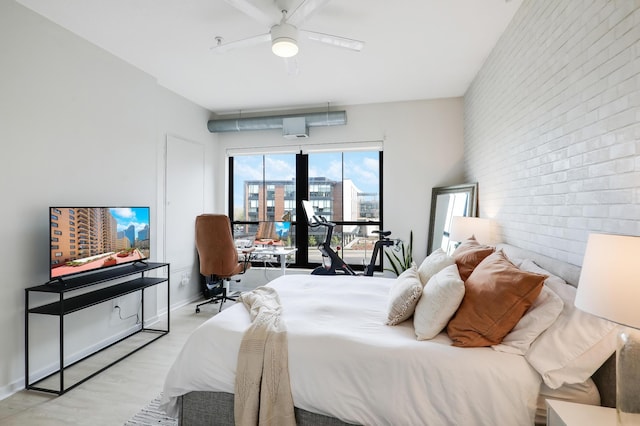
(84, 239)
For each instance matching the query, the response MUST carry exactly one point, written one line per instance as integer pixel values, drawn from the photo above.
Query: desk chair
(218, 257)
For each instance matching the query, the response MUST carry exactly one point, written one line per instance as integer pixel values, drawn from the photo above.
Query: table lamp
(609, 288)
(463, 227)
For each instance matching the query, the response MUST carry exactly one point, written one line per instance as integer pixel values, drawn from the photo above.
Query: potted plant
(401, 257)
(109, 261)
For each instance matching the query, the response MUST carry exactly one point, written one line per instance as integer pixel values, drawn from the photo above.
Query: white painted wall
(552, 126)
(422, 148)
(78, 126)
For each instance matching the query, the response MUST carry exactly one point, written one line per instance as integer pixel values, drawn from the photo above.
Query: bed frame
(206, 408)
(216, 408)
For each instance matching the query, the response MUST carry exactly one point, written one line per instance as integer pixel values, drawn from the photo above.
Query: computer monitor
(282, 230)
(272, 231)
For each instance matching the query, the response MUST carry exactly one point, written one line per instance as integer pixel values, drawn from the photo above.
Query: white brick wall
(552, 126)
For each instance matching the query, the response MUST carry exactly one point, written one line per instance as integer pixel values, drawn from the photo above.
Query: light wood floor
(115, 395)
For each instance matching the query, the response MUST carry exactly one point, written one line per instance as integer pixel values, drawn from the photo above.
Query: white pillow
(433, 264)
(575, 345)
(439, 301)
(544, 311)
(403, 296)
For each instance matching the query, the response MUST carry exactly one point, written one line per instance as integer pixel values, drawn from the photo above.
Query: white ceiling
(415, 49)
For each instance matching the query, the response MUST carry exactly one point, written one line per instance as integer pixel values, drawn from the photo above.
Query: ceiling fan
(285, 31)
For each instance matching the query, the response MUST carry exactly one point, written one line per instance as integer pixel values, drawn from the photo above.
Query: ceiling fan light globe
(284, 40)
(284, 47)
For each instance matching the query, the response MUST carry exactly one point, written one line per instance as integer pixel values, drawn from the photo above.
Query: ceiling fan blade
(256, 13)
(222, 47)
(343, 42)
(291, 65)
(304, 11)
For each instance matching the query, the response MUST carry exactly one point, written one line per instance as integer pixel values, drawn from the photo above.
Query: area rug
(152, 415)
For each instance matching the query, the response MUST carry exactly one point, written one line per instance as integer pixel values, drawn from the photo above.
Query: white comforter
(345, 363)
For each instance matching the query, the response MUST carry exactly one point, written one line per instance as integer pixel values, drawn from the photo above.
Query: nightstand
(562, 413)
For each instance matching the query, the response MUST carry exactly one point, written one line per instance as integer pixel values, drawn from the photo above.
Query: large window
(344, 187)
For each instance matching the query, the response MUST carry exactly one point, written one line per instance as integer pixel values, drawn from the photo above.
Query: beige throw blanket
(262, 388)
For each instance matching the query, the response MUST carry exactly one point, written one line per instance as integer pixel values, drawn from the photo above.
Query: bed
(347, 366)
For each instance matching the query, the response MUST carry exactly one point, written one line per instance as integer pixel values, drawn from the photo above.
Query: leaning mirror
(447, 202)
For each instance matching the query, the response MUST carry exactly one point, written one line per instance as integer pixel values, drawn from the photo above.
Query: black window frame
(299, 224)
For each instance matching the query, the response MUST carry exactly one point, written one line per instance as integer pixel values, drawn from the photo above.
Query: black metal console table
(68, 303)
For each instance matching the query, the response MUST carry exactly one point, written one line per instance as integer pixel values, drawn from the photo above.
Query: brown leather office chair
(218, 257)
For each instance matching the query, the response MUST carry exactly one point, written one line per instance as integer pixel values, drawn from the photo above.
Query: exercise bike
(332, 264)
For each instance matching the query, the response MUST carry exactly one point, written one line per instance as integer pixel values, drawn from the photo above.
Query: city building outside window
(343, 187)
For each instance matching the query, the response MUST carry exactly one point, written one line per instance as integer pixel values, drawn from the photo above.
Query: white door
(184, 200)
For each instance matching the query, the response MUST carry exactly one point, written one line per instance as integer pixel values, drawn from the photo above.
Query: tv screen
(84, 239)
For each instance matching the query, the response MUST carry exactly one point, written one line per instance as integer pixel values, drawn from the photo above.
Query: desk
(281, 252)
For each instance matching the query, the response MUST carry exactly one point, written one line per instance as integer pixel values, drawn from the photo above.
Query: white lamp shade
(463, 227)
(610, 280)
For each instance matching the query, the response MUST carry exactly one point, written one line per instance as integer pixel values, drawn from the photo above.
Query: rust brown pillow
(469, 254)
(497, 295)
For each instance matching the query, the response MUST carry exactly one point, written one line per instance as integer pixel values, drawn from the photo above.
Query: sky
(361, 167)
(125, 216)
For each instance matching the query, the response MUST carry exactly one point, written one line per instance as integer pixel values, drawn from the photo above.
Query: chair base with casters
(214, 290)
